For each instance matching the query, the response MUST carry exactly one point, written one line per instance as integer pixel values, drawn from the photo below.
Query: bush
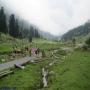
(87, 44)
(85, 47)
(62, 52)
(88, 41)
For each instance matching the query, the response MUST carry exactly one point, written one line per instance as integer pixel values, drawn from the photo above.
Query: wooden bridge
(11, 64)
(5, 67)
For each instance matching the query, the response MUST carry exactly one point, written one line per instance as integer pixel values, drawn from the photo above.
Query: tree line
(81, 30)
(14, 28)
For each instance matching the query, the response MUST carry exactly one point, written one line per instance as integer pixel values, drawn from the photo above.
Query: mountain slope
(82, 30)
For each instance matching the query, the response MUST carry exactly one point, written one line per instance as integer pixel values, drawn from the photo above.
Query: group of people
(31, 51)
(34, 51)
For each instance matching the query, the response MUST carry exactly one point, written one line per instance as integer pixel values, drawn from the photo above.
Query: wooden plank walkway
(18, 62)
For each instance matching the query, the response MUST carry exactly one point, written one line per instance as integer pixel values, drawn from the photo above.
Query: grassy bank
(28, 79)
(71, 73)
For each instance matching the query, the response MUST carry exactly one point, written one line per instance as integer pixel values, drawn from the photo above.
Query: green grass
(7, 43)
(23, 79)
(45, 46)
(28, 79)
(5, 47)
(44, 41)
(71, 73)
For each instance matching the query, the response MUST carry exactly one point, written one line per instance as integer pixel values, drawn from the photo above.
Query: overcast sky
(54, 16)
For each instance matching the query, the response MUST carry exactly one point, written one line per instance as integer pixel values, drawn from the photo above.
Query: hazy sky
(54, 16)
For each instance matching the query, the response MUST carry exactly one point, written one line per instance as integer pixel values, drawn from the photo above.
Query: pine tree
(32, 31)
(16, 29)
(31, 34)
(12, 31)
(20, 35)
(3, 24)
(36, 33)
(74, 41)
(30, 37)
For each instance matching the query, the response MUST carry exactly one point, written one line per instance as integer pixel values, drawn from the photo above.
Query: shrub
(85, 47)
(88, 41)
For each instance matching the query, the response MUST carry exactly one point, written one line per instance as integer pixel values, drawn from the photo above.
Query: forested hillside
(82, 30)
(16, 27)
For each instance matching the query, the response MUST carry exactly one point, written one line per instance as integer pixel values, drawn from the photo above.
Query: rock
(55, 51)
(64, 57)
(32, 61)
(3, 60)
(50, 64)
(23, 67)
(44, 74)
(51, 73)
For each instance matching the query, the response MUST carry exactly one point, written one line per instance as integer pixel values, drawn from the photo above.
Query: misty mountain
(82, 30)
(48, 35)
(25, 24)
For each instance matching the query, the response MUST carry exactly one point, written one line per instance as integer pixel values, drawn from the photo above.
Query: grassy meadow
(70, 72)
